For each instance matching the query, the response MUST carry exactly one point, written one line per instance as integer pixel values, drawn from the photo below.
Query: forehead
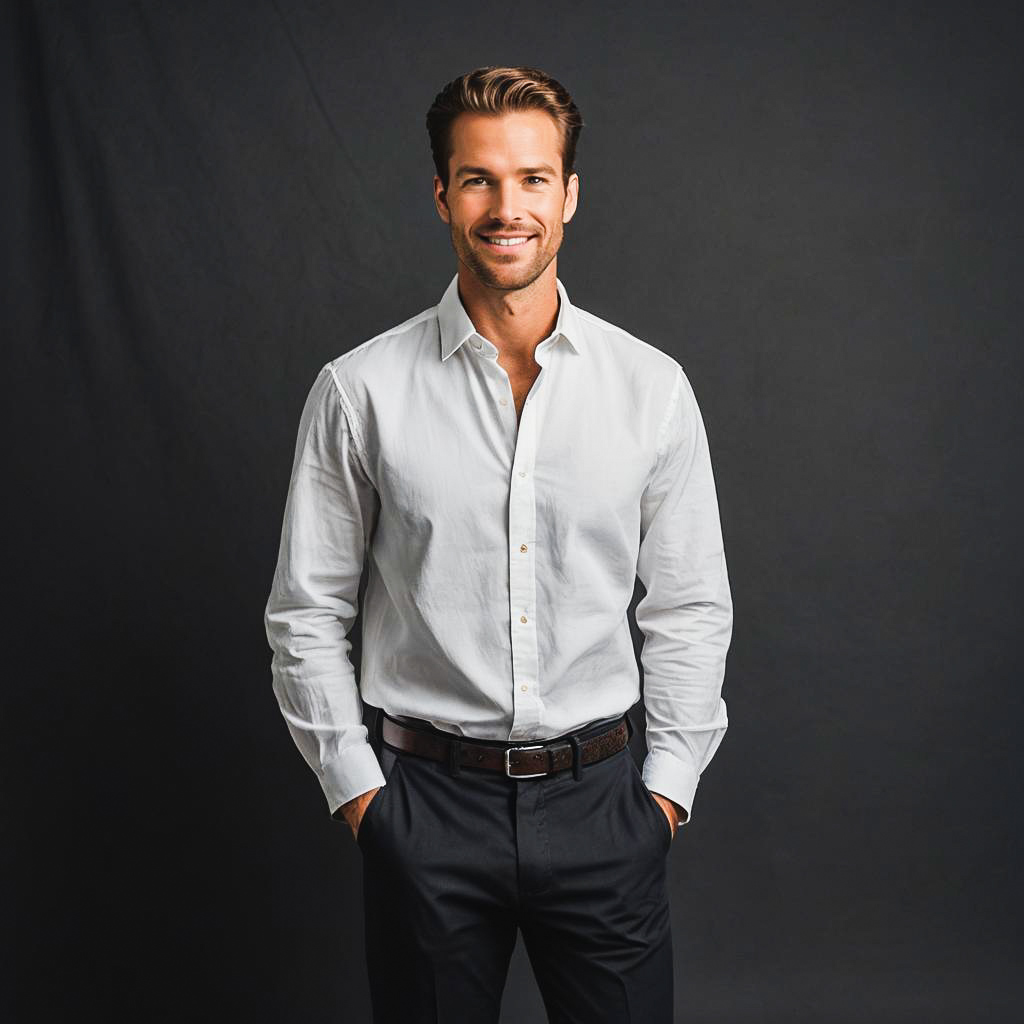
(525, 137)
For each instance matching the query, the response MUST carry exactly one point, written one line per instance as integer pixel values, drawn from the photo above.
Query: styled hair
(495, 90)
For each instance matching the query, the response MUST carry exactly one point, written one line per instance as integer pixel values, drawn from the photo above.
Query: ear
(441, 200)
(572, 195)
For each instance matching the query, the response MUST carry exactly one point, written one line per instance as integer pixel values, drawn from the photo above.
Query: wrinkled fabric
(501, 556)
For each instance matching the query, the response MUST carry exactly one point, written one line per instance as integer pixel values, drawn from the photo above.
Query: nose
(504, 202)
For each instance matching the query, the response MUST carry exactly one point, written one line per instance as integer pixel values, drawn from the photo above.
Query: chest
(448, 459)
(521, 377)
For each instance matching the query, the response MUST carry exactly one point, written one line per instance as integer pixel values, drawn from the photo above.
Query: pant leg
(439, 875)
(596, 922)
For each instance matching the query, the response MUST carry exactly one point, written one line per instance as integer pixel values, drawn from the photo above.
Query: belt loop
(454, 749)
(629, 728)
(378, 729)
(577, 766)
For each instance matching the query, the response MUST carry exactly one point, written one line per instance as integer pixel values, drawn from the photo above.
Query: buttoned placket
(527, 700)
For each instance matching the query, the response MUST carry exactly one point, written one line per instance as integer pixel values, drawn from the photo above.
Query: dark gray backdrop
(815, 207)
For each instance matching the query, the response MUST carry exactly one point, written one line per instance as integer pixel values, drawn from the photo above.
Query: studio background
(815, 207)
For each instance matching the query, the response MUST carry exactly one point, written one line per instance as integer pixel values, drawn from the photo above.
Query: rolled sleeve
(686, 612)
(330, 512)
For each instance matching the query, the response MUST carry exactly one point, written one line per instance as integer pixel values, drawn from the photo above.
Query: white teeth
(507, 241)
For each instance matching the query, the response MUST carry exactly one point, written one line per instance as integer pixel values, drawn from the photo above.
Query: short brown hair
(492, 90)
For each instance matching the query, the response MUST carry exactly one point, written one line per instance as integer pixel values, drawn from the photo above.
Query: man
(508, 464)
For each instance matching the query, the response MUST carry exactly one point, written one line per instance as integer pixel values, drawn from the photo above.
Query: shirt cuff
(353, 772)
(672, 778)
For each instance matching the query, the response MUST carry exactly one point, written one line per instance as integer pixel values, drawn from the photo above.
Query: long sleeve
(329, 516)
(686, 613)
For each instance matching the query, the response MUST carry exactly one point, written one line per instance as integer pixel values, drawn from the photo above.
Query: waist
(429, 726)
(526, 759)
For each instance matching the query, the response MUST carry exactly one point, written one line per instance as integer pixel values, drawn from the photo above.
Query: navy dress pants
(455, 865)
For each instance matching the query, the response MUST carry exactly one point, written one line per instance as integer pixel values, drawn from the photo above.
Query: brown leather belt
(516, 760)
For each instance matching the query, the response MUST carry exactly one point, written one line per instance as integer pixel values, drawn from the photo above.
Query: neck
(516, 321)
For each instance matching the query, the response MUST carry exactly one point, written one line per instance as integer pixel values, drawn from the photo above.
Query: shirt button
(522, 472)
(522, 547)
(522, 618)
(502, 401)
(476, 344)
(524, 688)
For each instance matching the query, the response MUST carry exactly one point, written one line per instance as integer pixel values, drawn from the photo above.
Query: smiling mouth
(506, 243)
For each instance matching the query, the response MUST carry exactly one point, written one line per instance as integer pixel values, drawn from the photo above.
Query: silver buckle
(508, 766)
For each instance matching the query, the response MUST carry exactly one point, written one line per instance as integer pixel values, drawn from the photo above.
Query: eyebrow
(462, 171)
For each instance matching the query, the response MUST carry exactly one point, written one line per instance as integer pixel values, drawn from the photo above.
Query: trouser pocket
(390, 764)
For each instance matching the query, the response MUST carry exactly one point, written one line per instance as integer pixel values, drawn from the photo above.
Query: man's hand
(673, 811)
(356, 808)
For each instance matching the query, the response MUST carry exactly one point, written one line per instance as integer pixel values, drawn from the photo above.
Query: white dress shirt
(502, 555)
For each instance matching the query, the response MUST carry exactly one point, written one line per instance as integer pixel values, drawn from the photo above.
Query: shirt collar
(456, 326)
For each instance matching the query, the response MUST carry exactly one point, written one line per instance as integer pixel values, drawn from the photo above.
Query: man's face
(506, 180)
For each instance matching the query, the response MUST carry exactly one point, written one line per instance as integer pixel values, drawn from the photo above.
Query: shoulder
(655, 376)
(379, 358)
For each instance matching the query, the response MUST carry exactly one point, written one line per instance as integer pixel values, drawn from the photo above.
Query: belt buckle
(508, 766)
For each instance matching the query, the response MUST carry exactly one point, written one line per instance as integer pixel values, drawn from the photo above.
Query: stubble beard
(488, 272)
